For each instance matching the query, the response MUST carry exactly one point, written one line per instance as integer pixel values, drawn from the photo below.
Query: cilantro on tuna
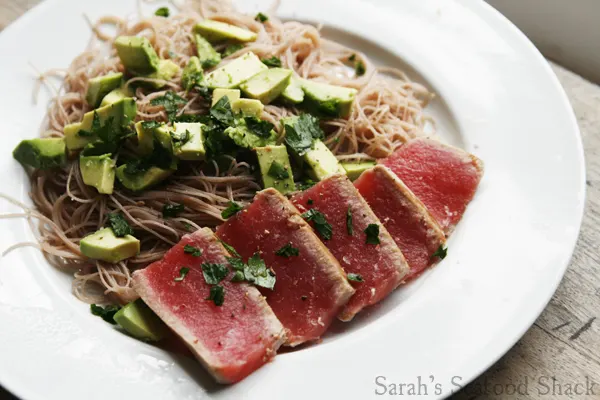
(118, 224)
(230, 248)
(272, 62)
(287, 251)
(170, 102)
(372, 233)
(260, 17)
(259, 127)
(256, 272)
(236, 263)
(222, 112)
(441, 252)
(278, 171)
(193, 251)
(310, 202)
(162, 12)
(238, 276)
(300, 134)
(320, 223)
(183, 271)
(217, 295)
(355, 277)
(214, 273)
(106, 313)
(349, 226)
(232, 209)
(171, 210)
(232, 48)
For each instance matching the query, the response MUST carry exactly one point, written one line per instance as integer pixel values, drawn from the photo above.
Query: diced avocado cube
(137, 54)
(248, 107)
(232, 95)
(266, 86)
(115, 96)
(41, 153)
(243, 137)
(142, 180)
(328, 100)
(104, 245)
(321, 162)
(192, 73)
(98, 171)
(293, 92)
(238, 71)
(100, 86)
(167, 70)
(275, 168)
(148, 132)
(141, 322)
(122, 113)
(207, 54)
(216, 31)
(355, 169)
(188, 141)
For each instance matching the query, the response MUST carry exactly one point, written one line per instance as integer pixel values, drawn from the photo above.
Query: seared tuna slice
(415, 231)
(232, 340)
(311, 287)
(380, 267)
(443, 177)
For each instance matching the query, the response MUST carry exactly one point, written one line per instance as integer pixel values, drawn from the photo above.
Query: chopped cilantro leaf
(359, 68)
(352, 57)
(183, 271)
(170, 102)
(259, 127)
(162, 12)
(230, 249)
(256, 272)
(238, 276)
(355, 277)
(287, 251)
(217, 295)
(187, 226)
(191, 80)
(310, 202)
(272, 62)
(307, 184)
(232, 209)
(300, 136)
(194, 251)
(118, 224)
(320, 223)
(222, 112)
(180, 138)
(372, 233)
(236, 262)
(214, 273)
(260, 17)
(170, 210)
(147, 125)
(441, 252)
(106, 313)
(349, 225)
(278, 171)
(232, 48)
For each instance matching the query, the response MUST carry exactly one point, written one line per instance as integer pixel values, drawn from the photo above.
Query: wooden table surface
(559, 357)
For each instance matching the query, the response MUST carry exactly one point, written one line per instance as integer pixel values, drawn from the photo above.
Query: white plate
(497, 98)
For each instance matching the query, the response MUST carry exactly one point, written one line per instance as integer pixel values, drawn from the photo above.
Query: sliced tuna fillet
(415, 231)
(443, 177)
(231, 340)
(382, 267)
(311, 287)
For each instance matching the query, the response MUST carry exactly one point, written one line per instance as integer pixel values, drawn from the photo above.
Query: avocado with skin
(267, 85)
(167, 70)
(217, 31)
(232, 95)
(122, 113)
(192, 72)
(106, 246)
(293, 92)
(141, 322)
(137, 54)
(192, 149)
(321, 162)
(328, 100)
(41, 153)
(207, 54)
(100, 86)
(248, 107)
(142, 180)
(115, 96)
(146, 137)
(235, 73)
(355, 169)
(274, 175)
(98, 171)
(243, 137)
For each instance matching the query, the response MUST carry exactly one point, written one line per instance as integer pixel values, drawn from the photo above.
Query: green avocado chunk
(328, 100)
(142, 180)
(98, 171)
(207, 54)
(275, 168)
(216, 31)
(41, 153)
(137, 54)
(100, 86)
(322, 162)
(293, 92)
(122, 113)
(115, 96)
(267, 85)
(188, 141)
(148, 132)
(141, 322)
(243, 137)
(167, 70)
(235, 73)
(104, 245)
(247, 107)
(232, 95)
(192, 73)
(355, 169)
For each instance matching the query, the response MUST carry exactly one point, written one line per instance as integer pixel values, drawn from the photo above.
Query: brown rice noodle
(388, 110)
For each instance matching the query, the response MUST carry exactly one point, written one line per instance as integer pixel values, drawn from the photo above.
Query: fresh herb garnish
(352, 57)
(307, 184)
(181, 138)
(170, 102)
(359, 68)
(355, 277)
(171, 210)
(287, 251)
(299, 136)
(106, 313)
(217, 295)
(260, 17)
(222, 112)
(193, 251)
(273, 62)
(232, 48)
(232, 209)
(238, 276)
(108, 135)
(320, 223)
(118, 224)
(278, 171)
(162, 12)
(192, 80)
(349, 225)
(147, 125)
(214, 273)
(310, 202)
(256, 272)
(230, 249)
(441, 252)
(372, 233)
(236, 263)
(259, 127)
(183, 271)
(210, 62)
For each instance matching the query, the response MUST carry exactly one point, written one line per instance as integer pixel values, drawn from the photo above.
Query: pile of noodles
(388, 110)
